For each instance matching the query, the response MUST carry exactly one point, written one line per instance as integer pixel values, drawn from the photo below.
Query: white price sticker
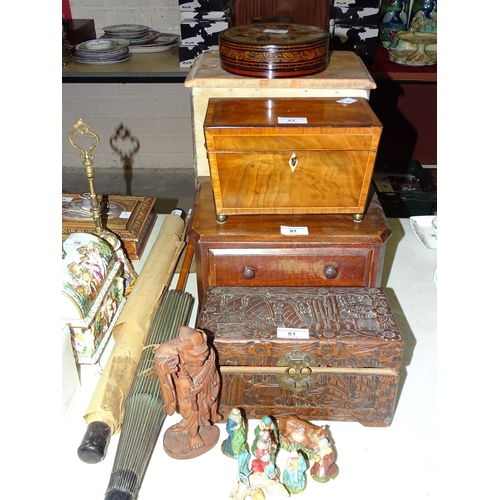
(292, 333)
(278, 32)
(67, 199)
(291, 119)
(125, 215)
(347, 100)
(294, 231)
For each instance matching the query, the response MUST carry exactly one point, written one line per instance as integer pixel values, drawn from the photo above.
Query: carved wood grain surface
(348, 327)
(369, 400)
(351, 329)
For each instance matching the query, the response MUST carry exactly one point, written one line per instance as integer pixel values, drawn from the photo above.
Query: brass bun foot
(221, 218)
(358, 217)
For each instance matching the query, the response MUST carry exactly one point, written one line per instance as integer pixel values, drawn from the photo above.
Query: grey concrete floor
(172, 188)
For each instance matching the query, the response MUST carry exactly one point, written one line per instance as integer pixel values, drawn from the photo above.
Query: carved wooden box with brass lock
(291, 155)
(319, 353)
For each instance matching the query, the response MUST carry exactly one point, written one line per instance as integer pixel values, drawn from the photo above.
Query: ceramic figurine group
(303, 440)
(190, 382)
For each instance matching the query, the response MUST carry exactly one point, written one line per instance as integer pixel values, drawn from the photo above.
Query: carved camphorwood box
(291, 156)
(318, 353)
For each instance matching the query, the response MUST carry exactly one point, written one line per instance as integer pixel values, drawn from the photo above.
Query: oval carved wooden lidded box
(274, 50)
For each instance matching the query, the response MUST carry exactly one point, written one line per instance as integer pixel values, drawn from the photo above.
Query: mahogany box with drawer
(291, 155)
(263, 250)
(322, 353)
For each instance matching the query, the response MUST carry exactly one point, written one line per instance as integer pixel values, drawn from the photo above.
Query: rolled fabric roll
(106, 408)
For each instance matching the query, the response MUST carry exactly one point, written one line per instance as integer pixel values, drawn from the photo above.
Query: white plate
(100, 45)
(422, 228)
(145, 49)
(148, 37)
(125, 28)
(102, 63)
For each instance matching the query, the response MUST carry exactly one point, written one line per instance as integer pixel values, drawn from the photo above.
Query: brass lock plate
(298, 374)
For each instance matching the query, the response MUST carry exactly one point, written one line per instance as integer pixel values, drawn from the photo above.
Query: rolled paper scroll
(104, 415)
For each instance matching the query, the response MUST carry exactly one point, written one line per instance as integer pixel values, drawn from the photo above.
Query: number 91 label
(292, 333)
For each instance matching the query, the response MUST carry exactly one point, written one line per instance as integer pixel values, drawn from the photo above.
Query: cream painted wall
(161, 15)
(157, 115)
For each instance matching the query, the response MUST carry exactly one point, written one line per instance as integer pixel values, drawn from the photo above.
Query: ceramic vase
(423, 16)
(394, 16)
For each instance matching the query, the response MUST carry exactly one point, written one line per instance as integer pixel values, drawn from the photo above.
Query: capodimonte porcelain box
(92, 293)
(319, 353)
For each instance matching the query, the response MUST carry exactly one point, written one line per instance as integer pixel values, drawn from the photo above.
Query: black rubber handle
(95, 443)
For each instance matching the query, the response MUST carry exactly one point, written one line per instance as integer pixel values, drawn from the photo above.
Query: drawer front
(290, 267)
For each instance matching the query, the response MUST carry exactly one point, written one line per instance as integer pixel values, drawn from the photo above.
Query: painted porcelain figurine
(255, 486)
(324, 468)
(294, 475)
(235, 446)
(189, 379)
(265, 456)
(266, 423)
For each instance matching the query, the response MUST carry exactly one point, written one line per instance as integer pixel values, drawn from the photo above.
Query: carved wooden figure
(190, 383)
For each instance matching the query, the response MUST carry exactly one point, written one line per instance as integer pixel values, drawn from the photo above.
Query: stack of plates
(102, 51)
(136, 34)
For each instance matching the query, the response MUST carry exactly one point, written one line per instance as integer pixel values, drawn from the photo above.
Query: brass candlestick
(82, 129)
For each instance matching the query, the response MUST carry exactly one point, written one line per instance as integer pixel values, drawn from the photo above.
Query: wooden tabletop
(345, 71)
(264, 230)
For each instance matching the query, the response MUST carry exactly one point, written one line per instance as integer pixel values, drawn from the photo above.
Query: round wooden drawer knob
(248, 273)
(331, 272)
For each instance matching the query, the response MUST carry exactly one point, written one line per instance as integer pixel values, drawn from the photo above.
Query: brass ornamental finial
(81, 128)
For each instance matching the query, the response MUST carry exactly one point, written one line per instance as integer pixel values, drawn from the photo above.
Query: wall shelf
(159, 67)
(405, 98)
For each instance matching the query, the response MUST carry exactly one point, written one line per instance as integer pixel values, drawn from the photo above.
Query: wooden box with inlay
(291, 156)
